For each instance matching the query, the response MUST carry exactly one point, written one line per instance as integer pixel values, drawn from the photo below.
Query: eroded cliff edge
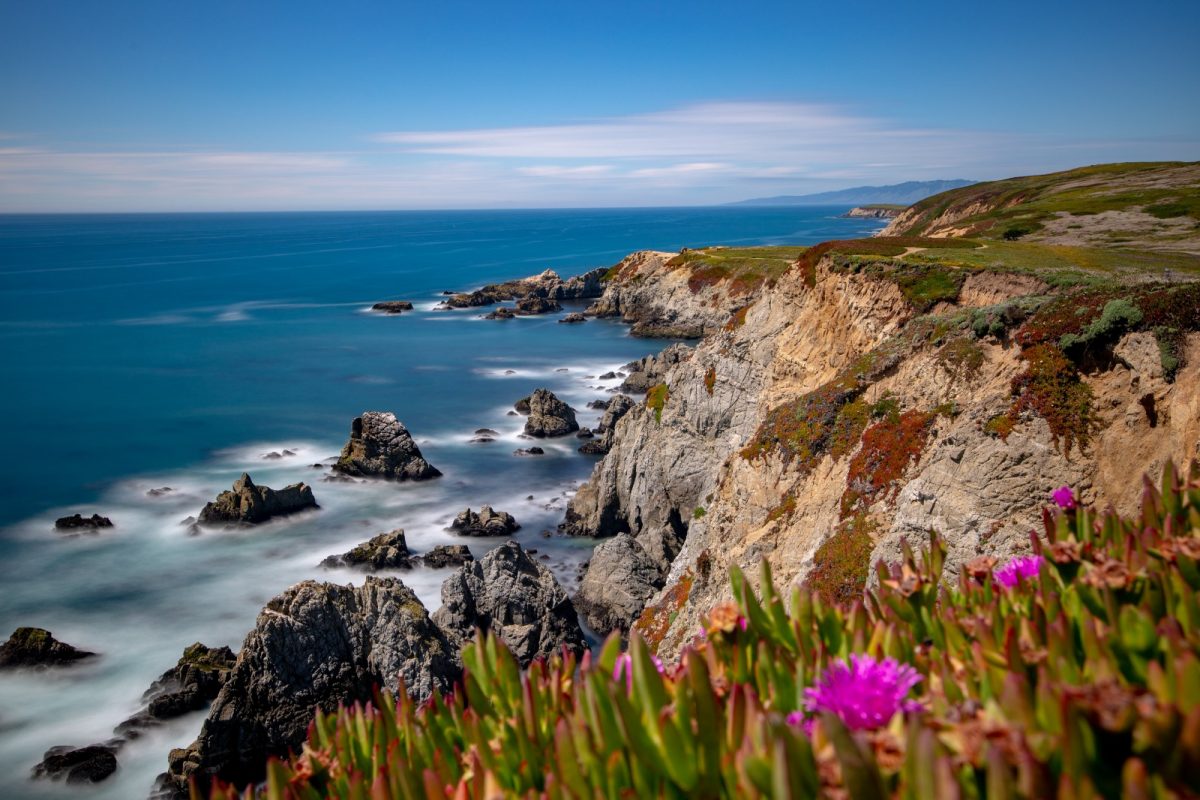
(869, 391)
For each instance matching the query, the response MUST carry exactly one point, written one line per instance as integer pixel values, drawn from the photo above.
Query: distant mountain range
(900, 193)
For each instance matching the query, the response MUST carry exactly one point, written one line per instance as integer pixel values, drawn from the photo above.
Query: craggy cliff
(868, 391)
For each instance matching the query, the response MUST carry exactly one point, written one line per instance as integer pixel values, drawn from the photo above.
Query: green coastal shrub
(1072, 672)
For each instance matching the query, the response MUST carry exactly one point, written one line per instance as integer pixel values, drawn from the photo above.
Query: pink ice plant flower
(1064, 498)
(624, 668)
(1017, 570)
(864, 693)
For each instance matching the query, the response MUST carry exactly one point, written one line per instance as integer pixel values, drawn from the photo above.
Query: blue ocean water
(143, 351)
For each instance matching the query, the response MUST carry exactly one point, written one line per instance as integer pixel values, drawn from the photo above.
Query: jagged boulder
(90, 764)
(619, 406)
(81, 524)
(514, 596)
(620, 578)
(385, 551)
(447, 555)
(486, 523)
(549, 416)
(35, 647)
(381, 446)
(250, 504)
(317, 645)
(190, 685)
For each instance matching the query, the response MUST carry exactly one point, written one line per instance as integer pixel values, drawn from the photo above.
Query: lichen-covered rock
(620, 578)
(447, 555)
(78, 523)
(384, 551)
(380, 446)
(35, 647)
(90, 764)
(190, 685)
(514, 596)
(250, 504)
(486, 523)
(317, 645)
(549, 416)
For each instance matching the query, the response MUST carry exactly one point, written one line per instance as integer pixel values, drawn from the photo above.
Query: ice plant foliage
(1019, 569)
(1081, 683)
(864, 693)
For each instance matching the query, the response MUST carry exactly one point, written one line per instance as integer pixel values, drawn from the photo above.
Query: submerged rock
(447, 555)
(392, 306)
(385, 551)
(90, 764)
(515, 597)
(80, 523)
(248, 503)
(529, 451)
(35, 647)
(190, 685)
(486, 523)
(621, 576)
(381, 446)
(549, 416)
(315, 646)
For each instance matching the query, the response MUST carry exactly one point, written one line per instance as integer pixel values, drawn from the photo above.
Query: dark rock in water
(35, 647)
(272, 456)
(549, 416)
(392, 306)
(584, 433)
(481, 439)
(316, 466)
(532, 451)
(522, 405)
(510, 372)
(515, 597)
(249, 504)
(315, 646)
(447, 555)
(573, 318)
(381, 446)
(78, 522)
(621, 576)
(159, 492)
(486, 523)
(385, 551)
(529, 306)
(608, 376)
(485, 432)
(512, 414)
(90, 764)
(503, 312)
(599, 405)
(190, 685)
(619, 406)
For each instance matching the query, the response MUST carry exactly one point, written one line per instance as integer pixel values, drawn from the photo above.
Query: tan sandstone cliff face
(679, 483)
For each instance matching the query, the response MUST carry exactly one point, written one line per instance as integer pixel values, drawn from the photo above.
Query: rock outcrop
(486, 523)
(393, 306)
(190, 685)
(77, 523)
(380, 446)
(650, 370)
(447, 555)
(84, 765)
(514, 596)
(573, 318)
(620, 578)
(35, 647)
(315, 646)
(384, 551)
(549, 416)
(249, 504)
(547, 286)
(874, 212)
(606, 431)
(533, 305)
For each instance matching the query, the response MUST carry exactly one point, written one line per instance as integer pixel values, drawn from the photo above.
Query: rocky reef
(384, 551)
(487, 522)
(380, 446)
(392, 306)
(77, 523)
(35, 647)
(249, 504)
(193, 683)
(537, 294)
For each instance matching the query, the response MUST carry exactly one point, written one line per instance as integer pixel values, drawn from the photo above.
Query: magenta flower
(624, 668)
(797, 720)
(1017, 570)
(1064, 498)
(865, 693)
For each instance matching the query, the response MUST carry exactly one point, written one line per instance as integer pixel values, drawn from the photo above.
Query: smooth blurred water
(143, 351)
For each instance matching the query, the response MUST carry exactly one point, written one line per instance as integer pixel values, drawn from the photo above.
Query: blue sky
(117, 106)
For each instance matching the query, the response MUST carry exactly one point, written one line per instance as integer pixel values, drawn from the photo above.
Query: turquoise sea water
(143, 351)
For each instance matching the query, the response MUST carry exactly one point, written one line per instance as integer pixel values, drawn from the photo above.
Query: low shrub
(656, 399)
